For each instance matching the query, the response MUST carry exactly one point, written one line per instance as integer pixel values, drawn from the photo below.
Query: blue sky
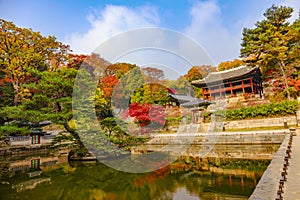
(84, 24)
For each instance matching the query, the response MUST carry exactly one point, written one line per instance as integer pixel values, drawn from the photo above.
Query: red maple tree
(145, 114)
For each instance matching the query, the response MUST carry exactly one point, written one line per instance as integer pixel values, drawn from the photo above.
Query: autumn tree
(6, 90)
(23, 50)
(154, 90)
(95, 64)
(198, 72)
(107, 85)
(181, 85)
(274, 43)
(155, 93)
(75, 61)
(153, 74)
(118, 69)
(230, 64)
(126, 87)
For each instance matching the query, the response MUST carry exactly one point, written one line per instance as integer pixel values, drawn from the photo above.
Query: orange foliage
(155, 175)
(107, 85)
(230, 64)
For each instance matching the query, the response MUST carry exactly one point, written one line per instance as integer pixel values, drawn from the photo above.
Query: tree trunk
(73, 132)
(282, 67)
(16, 93)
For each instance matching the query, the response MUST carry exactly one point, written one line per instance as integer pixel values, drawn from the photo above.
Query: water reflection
(51, 176)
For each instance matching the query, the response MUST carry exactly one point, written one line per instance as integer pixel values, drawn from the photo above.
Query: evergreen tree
(273, 44)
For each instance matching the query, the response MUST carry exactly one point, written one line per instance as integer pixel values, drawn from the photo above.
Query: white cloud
(109, 22)
(206, 28)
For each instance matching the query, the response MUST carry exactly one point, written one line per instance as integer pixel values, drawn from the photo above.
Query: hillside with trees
(37, 76)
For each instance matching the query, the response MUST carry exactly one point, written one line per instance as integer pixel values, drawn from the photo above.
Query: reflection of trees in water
(96, 181)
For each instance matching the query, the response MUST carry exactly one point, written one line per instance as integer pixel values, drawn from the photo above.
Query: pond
(53, 177)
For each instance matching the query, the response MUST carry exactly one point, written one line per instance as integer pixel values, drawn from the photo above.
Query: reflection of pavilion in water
(30, 167)
(35, 163)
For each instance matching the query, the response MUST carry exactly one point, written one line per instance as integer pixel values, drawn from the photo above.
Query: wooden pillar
(209, 93)
(220, 92)
(243, 86)
(251, 83)
(203, 93)
(231, 89)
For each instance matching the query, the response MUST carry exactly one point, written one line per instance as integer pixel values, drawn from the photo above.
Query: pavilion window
(35, 139)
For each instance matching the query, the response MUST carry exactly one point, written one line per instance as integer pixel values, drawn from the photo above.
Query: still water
(53, 177)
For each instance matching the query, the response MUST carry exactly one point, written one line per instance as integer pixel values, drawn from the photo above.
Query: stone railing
(271, 183)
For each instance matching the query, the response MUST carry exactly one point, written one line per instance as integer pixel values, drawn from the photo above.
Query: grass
(257, 128)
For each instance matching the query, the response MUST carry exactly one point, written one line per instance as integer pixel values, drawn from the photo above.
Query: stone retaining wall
(248, 137)
(243, 145)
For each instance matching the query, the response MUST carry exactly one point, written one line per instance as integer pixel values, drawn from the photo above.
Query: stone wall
(26, 140)
(224, 138)
(20, 141)
(243, 145)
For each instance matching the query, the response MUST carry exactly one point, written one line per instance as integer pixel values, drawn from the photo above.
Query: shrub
(260, 111)
(13, 130)
(173, 121)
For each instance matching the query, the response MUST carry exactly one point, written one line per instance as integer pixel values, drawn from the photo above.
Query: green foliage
(254, 129)
(260, 111)
(13, 130)
(115, 131)
(273, 44)
(110, 126)
(23, 50)
(6, 94)
(62, 138)
(173, 121)
(50, 101)
(129, 141)
(251, 165)
(20, 113)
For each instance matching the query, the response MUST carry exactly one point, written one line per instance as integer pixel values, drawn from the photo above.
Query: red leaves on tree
(279, 86)
(295, 83)
(145, 114)
(157, 114)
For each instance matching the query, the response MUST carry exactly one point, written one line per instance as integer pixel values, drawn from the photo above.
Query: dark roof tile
(223, 76)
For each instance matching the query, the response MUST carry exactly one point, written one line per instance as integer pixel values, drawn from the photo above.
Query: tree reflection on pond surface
(53, 177)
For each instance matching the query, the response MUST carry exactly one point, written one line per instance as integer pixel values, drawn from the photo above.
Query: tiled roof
(223, 76)
(189, 101)
(198, 102)
(182, 98)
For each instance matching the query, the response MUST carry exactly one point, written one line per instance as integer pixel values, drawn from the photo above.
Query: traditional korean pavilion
(231, 83)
